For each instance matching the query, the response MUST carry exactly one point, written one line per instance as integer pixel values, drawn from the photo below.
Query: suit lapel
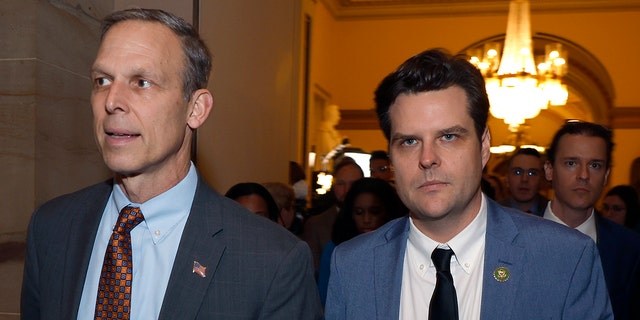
(501, 254)
(202, 242)
(388, 267)
(85, 216)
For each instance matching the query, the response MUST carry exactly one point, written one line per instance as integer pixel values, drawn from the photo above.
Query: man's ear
(202, 101)
(606, 177)
(548, 170)
(486, 146)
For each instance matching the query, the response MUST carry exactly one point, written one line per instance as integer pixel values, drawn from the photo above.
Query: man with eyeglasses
(380, 166)
(524, 181)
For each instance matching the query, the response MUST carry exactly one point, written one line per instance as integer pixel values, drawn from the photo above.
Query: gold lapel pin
(501, 274)
(199, 269)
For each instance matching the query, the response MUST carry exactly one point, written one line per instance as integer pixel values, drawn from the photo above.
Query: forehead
(613, 198)
(348, 171)
(379, 161)
(430, 110)
(366, 198)
(141, 44)
(525, 161)
(581, 146)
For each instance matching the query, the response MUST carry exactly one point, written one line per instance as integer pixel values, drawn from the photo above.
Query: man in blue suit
(505, 265)
(579, 162)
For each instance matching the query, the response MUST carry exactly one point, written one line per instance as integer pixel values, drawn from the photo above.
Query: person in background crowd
(317, 229)
(284, 197)
(620, 205)
(524, 181)
(578, 166)
(380, 166)
(256, 198)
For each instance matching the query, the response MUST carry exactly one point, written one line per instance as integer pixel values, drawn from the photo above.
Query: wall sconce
(312, 157)
(324, 180)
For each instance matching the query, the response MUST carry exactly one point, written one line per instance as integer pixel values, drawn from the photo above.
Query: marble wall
(46, 50)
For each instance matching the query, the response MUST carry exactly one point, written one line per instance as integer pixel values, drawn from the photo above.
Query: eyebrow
(455, 129)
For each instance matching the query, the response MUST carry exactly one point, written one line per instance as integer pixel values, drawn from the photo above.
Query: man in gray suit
(498, 263)
(194, 253)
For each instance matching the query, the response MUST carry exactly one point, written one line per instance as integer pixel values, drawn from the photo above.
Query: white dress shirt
(154, 244)
(467, 265)
(588, 227)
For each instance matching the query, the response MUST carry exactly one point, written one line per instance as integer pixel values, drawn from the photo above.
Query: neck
(446, 227)
(524, 206)
(572, 217)
(142, 187)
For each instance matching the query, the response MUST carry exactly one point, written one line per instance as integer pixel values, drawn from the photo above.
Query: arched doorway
(591, 96)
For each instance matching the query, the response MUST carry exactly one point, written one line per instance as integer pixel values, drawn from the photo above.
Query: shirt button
(157, 232)
(421, 266)
(466, 265)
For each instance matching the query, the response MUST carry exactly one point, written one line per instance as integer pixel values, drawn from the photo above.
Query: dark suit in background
(619, 250)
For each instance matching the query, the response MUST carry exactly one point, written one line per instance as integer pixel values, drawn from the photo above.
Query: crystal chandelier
(517, 88)
(517, 139)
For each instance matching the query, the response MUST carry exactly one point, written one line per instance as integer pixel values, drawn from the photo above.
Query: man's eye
(449, 137)
(101, 82)
(596, 165)
(409, 142)
(571, 163)
(144, 83)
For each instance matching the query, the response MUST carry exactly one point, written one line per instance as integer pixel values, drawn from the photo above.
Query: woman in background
(620, 204)
(256, 198)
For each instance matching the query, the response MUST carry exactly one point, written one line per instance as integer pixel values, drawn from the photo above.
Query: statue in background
(329, 136)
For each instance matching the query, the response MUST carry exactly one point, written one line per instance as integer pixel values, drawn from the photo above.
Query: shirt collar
(465, 245)
(588, 227)
(163, 212)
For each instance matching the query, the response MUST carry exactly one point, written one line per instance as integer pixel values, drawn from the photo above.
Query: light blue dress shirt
(154, 243)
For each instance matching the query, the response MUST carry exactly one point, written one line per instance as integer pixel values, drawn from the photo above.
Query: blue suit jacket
(619, 250)
(555, 272)
(255, 268)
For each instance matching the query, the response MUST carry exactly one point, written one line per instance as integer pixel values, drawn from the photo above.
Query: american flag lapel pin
(199, 269)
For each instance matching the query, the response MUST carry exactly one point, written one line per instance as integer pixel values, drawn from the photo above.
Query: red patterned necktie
(114, 289)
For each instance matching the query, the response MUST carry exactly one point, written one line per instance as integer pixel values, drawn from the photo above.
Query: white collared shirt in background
(467, 265)
(588, 227)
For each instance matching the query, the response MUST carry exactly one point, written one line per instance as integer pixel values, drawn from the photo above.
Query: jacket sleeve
(293, 294)
(588, 297)
(335, 308)
(30, 296)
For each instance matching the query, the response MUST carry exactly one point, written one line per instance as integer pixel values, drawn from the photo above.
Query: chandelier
(518, 88)
(517, 139)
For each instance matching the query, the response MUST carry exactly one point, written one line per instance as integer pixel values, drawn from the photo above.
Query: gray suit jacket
(555, 272)
(255, 268)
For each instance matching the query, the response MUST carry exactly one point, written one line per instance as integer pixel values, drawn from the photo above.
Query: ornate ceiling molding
(373, 9)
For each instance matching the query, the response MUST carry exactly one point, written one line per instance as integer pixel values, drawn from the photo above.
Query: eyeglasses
(517, 171)
(381, 169)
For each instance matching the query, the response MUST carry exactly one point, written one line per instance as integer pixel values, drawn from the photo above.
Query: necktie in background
(444, 303)
(114, 289)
